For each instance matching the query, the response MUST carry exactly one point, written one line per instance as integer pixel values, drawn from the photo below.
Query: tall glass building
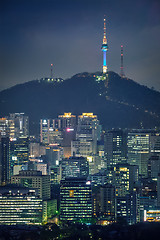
(76, 200)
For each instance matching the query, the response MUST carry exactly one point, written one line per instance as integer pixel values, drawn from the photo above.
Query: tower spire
(122, 68)
(104, 47)
(51, 70)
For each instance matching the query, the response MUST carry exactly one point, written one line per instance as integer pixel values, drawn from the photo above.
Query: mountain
(124, 103)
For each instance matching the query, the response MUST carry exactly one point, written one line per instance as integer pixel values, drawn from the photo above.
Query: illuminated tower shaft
(104, 49)
(122, 68)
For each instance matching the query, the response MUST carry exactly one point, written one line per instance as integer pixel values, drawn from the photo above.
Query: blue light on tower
(104, 49)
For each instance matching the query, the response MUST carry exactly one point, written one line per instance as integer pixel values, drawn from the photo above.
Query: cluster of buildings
(75, 171)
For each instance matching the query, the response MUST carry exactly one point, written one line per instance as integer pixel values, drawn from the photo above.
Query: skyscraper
(18, 152)
(44, 131)
(7, 127)
(88, 129)
(107, 201)
(21, 124)
(76, 200)
(4, 160)
(115, 146)
(67, 120)
(125, 178)
(139, 149)
(74, 167)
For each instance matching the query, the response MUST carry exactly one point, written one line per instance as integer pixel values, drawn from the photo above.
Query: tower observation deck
(104, 48)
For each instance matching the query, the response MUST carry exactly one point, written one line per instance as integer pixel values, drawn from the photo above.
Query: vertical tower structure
(104, 48)
(51, 70)
(122, 67)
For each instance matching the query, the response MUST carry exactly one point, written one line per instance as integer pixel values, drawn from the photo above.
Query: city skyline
(69, 35)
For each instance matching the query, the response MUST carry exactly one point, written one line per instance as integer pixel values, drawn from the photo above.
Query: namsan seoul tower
(104, 48)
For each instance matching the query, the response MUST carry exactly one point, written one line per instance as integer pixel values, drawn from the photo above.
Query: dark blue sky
(68, 33)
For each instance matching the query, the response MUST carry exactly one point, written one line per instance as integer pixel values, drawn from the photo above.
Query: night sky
(36, 33)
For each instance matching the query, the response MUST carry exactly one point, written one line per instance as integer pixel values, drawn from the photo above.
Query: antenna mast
(122, 67)
(51, 70)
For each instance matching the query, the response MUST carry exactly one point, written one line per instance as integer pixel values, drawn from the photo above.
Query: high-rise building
(125, 178)
(54, 154)
(34, 179)
(21, 124)
(128, 208)
(155, 143)
(49, 209)
(139, 150)
(158, 190)
(74, 167)
(69, 135)
(55, 136)
(107, 202)
(44, 131)
(54, 172)
(88, 129)
(67, 120)
(75, 200)
(34, 149)
(18, 152)
(115, 146)
(4, 160)
(154, 166)
(7, 127)
(81, 148)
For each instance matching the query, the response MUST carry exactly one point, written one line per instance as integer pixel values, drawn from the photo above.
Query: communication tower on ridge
(104, 48)
(122, 67)
(51, 70)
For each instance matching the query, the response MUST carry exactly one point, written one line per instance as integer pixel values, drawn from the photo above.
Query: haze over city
(69, 35)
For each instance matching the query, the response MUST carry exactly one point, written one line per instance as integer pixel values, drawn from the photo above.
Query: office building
(74, 167)
(20, 206)
(55, 176)
(34, 149)
(115, 147)
(128, 208)
(67, 120)
(158, 190)
(54, 154)
(34, 179)
(7, 127)
(139, 149)
(55, 136)
(69, 134)
(81, 148)
(154, 166)
(21, 124)
(125, 177)
(107, 202)
(4, 160)
(49, 209)
(75, 200)
(18, 152)
(44, 130)
(88, 129)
